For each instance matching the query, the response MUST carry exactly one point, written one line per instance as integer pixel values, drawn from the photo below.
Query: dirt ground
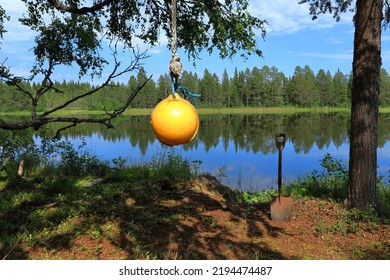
(200, 220)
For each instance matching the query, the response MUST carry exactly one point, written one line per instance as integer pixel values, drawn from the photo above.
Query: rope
(185, 92)
(174, 30)
(175, 65)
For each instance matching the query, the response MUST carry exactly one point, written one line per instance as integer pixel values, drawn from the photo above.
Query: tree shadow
(139, 220)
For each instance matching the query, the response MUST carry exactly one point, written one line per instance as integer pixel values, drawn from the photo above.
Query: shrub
(69, 160)
(383, 201)
(331, 182)
(172, 167)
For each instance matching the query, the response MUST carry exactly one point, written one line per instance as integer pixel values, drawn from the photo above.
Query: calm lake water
(241, 147)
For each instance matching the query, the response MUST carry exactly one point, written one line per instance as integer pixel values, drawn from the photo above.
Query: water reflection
(239, 146)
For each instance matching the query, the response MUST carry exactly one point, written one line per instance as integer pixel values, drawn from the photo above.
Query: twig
(10, 251)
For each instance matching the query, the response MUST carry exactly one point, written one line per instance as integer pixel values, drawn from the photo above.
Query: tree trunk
(364, 112)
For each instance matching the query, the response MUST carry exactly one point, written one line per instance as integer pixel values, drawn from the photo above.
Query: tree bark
(364, 112)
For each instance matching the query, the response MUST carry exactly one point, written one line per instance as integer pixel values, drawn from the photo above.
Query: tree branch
(128, 101)
(81, 11)
(133, 66)
(38, 121)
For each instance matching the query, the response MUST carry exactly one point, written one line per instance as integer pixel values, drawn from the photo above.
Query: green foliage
(50, 157)
(64, 42)
(336, 8)
(72, 34)
(135, 172)
(303, 91)
(265, 87)
(69, 160)
(384, 97)
(255, 198)
(166, 167)
(383, 200)
(17, 146)
(3, 17)
(170, 166)
(331, 182)
(227, 27)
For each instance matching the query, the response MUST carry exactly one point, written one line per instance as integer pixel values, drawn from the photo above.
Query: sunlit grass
(384, 110)
(202, 110)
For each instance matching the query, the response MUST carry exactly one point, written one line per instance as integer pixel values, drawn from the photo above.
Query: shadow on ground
(133, 220)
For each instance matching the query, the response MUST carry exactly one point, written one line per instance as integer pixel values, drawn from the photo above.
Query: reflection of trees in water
(247, 132)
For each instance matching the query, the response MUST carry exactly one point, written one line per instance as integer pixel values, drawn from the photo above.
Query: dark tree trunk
(365, 94)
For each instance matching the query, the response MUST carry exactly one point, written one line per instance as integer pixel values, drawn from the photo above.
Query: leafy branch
(37, 121)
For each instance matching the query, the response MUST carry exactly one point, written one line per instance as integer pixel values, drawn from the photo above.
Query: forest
(259, 87)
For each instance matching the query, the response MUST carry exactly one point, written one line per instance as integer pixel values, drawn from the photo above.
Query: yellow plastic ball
(175, 121)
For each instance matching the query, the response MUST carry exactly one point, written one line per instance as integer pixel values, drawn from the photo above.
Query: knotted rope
(175, 66)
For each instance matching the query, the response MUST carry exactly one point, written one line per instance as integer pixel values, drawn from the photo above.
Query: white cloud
(334, 41)
(289, 17)
(338, 56)
(13, 6)
(16, 32)
(17, 41)
(157, 49)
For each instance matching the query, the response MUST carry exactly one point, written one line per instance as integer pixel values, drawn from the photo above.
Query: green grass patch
(384, 110)
(208, 110)
(204, 110)
(270, 110)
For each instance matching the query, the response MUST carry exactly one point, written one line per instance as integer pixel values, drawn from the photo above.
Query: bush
(168, 166)
(383, 198)
(69, 160)
(46, 158)
(331, 182)
(17, 146)
(173, 167)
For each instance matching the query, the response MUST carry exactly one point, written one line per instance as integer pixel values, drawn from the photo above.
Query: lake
(239, 149)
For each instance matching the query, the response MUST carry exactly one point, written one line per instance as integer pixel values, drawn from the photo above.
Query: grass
(269, 110)
(202, 110)
(205, 111)
(384, 110)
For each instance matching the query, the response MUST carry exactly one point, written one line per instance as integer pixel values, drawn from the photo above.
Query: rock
(94, 182)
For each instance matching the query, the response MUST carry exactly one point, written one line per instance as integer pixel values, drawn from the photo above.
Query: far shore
(208, 111)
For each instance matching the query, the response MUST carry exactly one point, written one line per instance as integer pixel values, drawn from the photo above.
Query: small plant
(173, 167)
(78, 161)
(119, 163)
(221, 173)
(253, 198)
(94, 234)
(383, 205)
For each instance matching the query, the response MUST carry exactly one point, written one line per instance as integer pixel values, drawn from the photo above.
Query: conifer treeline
(259, 87)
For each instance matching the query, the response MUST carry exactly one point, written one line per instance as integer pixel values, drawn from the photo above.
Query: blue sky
(292, 39)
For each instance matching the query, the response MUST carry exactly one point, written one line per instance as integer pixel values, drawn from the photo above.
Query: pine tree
(226, 89)
(324, 87)
(340, 89)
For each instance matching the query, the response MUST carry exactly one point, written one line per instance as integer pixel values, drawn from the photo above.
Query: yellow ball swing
(174, 120)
